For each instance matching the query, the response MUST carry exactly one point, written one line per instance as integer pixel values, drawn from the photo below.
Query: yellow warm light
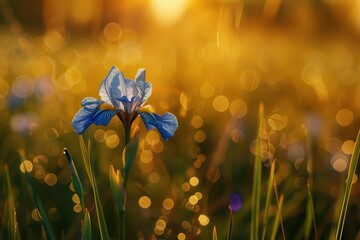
(168, 11)
(50, 179)
(348, 147)
(160, 224)
(194, 181)
(146, 156)
(197, 121)
(36, 215)
(77, 208)
(26, 166)
(207, 90)
(200, 136)
(144, 202)
(221, 103)
(76, 199)
(181, 236)
(204, 220)
(193, 200)
(168, 203)
(344, 117)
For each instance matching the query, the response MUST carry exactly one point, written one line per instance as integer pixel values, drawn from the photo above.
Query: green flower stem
(122, 224)
(125, 172)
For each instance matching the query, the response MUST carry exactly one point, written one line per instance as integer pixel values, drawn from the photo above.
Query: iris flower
(124, 98)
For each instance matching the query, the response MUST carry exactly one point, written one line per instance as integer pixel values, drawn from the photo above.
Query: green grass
(348, 187)
(256, 192)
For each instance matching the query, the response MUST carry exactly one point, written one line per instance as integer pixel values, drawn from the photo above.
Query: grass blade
(75, 179)
(310, 211)
(214, 235)
(87, 226)
(257, 181)
(268, 199)
(337, 210)
(346, 196)
(10, 211)
(310, 216)
(275, 227)
(86, 159)
(99, 211)
(37, 201)
(230, 223)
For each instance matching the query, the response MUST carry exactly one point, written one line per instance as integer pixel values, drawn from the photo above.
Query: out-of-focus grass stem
(10, 211)
(268, 199)
(310, 211)
(277, 218)
(256, 190)
(100, 214)
(36, 199)
(346, 195)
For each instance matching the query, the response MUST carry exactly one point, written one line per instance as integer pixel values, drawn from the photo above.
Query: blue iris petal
(127, 88)
(91, 113)
(108, 84)
(144, 87)
(166, 124)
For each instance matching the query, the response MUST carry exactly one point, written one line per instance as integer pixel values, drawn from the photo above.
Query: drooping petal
(107, 84)
(92, 112)
(144, 87)
(166, 124)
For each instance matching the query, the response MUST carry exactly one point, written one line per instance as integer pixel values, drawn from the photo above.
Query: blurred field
(211, 63)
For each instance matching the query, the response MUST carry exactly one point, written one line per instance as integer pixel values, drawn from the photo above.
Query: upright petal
(144, 87)
(166, 124)
(91, 112)
(107, 84)
(127, 93)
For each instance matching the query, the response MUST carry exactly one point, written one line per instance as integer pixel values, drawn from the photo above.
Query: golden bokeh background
(211, 63)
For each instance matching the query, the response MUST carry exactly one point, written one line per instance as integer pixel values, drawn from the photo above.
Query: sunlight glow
(168, 12)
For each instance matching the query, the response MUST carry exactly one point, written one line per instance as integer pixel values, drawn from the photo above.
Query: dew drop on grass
(77, 208)
(76, 199)
(36, 215)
